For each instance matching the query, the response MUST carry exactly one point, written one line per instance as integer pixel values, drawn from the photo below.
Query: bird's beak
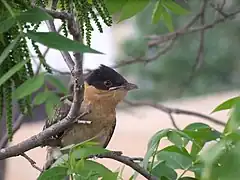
(127, 86)
(130, 86)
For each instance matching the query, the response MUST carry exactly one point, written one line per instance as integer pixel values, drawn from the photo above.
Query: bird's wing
(60, 112)
(111, 131)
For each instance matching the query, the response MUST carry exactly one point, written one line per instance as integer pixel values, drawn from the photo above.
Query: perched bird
(104, 88)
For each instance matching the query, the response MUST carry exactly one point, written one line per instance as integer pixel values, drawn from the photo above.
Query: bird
(103, 89)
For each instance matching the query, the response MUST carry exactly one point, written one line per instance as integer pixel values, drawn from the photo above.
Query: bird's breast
(102, 120)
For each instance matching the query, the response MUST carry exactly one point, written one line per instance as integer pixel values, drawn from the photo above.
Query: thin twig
(174, 111)
(219, 8)
(66, 56)
(200, 55)
(184, 31)
(157, 40)
(173, 121)
(146, 60)
(45, 54)
(31, 161)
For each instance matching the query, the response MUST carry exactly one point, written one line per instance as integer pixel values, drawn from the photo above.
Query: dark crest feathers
(105, 77)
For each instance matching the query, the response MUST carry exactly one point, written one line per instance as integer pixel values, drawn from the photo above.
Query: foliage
(19, 23)
(167, 77)
(198, 148)
(189, 150)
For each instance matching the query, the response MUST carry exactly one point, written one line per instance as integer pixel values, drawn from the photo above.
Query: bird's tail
(53, 153)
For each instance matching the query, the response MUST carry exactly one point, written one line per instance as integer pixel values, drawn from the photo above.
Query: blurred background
(168, 80)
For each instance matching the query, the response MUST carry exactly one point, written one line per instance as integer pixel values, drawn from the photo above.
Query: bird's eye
(107, 83)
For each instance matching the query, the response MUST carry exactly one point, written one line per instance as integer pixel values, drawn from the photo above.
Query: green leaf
(61, 161)
(49, 107)
(157, 137)
(71, 147)
(153, 144)
(57, 83)
(210, 155)
(29, 86)
(167, 20)
(8, 7)
(157, 12)
(33, 15)
(222, 161)
(12, 71)
(175, 157)
(131, 8)
(162, 170)
(40, 98)
(8, 49)
(114, 6)
(83, 152)
(55, 173)
(175, 138)
(175, 8)
(228, 164)
(234, 120)
(197, 169)
(51, 102)
(201, 131)
(56, 41)
(97, 168)
(90, 1)
(234, 136)
(187, 178)
(226, 104)
(6, 24)
(195, 149)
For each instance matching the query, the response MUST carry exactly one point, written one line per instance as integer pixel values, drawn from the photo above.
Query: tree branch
(173, 121)
(129, 162)
(66, 56)
(174, 110)
(183, 31)
(200, 55)
(58, 15)
(31, 161)
(157, 40)
(147, 60)
(41, 139)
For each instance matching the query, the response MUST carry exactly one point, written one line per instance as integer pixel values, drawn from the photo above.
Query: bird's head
(106, 84)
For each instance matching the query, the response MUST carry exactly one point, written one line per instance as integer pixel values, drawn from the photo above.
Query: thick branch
(58, 15)
(41, 138)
